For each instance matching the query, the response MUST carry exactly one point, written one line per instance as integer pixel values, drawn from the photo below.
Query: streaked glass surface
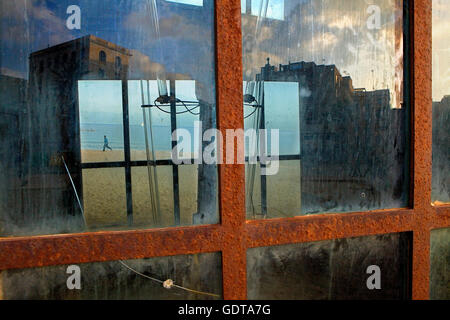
(90, 93)
(441, 103)
(440, 264)
(331, 270)
(328, 75)
(141, 279)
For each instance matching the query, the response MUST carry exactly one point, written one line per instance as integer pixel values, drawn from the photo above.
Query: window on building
(102, 56)
(118, 63)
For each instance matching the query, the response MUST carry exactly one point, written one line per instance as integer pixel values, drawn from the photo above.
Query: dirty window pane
(440, 264)
(90, 94)
(324, 79)
(114, 280)
(143, 211)
(441, 103)
(336, 269)
(100, 112)
(104, 198)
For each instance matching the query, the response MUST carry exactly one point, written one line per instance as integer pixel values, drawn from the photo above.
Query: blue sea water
(92, 137)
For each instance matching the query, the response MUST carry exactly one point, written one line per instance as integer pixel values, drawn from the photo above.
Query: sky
(164, 37)
(177, 34)
(180, 39)
(101, 102)
(327, 32)
(275, 8)
(191, 2)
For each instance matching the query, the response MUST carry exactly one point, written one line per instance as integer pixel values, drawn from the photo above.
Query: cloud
(12, 73)
(27, 26)
(173, 26)
(141, 67)
(29, 19)
(330, 32)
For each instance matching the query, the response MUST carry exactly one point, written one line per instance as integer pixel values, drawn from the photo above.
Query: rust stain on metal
(327, 227)
(422, 140)
(231, 177)
(105, 246)
(443, 211)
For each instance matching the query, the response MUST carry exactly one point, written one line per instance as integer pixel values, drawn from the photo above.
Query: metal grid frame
(235, 234)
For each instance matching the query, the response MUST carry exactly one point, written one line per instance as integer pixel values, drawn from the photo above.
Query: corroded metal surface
(234, 235)
(326, 227)
(231, 177)
(421, 140)
(104, 246)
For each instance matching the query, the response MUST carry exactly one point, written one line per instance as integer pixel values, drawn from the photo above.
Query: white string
(74, 189)
(161, 282)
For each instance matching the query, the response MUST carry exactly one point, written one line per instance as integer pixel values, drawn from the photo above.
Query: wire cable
(174, 285)
(159, 107)
(74, 189)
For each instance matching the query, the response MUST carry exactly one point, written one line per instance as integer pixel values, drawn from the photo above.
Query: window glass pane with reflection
(365, 268)
(440, 264)
(89, 96)
(193, 277)
(441, 103)
(100, 112)
(328, 75)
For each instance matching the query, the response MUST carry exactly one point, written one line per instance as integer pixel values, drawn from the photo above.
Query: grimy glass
(89, 97)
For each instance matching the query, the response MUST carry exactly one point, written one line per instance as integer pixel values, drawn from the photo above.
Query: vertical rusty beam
(422, 139)
(231, 176)
(421, 264)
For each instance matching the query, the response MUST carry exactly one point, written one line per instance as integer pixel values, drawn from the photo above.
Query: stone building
(54, 125)
(351, 140)
(12, 112)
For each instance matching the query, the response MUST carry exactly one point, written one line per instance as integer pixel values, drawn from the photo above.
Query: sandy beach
(104, 197)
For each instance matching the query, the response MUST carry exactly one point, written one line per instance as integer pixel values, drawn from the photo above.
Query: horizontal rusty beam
(328, 226)
(17, 253)
(441, 218)
(37, 251)
(443, 210)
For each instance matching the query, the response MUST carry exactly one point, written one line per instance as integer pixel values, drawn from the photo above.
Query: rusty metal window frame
(234, 235)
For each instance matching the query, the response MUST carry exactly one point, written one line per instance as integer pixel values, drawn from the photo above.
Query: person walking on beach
(106, 144)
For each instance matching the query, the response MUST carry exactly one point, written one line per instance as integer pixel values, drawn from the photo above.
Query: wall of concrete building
(351, 140)
(12, 116)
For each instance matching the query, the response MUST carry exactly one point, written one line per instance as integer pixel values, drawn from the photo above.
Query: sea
(92, 137)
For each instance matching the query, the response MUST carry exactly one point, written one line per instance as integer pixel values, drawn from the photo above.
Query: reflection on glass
(143, 211)
(199, 200)
(441, 103)
(329, 76)
(104, 198)
(335, 269)
(145, 93)
(117, 280)
(101, 121)
(81, 104)
(440, 264)
(272, 9)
